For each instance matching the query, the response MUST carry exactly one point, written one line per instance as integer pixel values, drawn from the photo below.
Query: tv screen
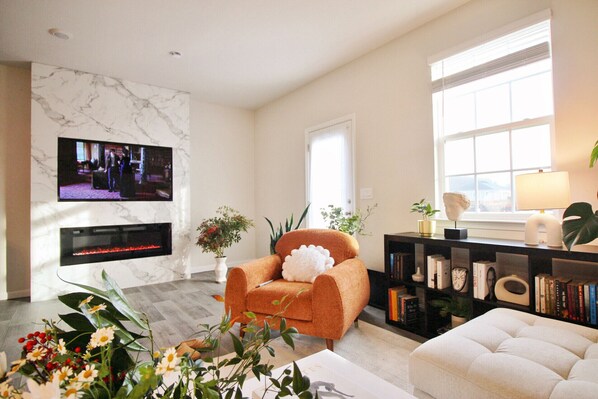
(106, 171)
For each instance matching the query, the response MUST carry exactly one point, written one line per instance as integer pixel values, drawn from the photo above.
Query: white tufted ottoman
(508, 354)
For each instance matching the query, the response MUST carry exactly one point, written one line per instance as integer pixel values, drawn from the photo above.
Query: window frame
(440, 139)
(343, 119)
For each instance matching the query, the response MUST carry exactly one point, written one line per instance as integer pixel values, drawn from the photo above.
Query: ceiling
(241, 53)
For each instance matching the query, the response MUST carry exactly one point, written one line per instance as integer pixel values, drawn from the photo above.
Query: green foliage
(580, 224)
(275, 234)
(120, 375)
(347, 222)
(457, 306)
(220, 232)
(425, 208)
(594, 155)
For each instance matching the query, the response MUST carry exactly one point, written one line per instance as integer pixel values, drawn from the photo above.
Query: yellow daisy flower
(63, 374)
(73, 391)
(37, 353)
(8, 391)
(102, 337)
(61, 347)
(88, 374)
(97, 308)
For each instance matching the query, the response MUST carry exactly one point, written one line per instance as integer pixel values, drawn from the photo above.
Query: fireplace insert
(108, 243)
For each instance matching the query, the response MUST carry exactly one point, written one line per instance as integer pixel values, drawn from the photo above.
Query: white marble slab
(74, 104)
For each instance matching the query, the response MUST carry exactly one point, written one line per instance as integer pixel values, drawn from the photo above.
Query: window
(493, 117)
(329, 155)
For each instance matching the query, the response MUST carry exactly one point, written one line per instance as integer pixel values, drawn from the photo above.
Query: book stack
(571, 299)
(485, 274)
(439, 272)
(402, 265)
(402, 306)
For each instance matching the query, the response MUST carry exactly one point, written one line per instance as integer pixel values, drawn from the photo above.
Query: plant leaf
(580, 224)
(238, 345)
(303, 215)
(594, 155)
(118, 299)
(77, 321)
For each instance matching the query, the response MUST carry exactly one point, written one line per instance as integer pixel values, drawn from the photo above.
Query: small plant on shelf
(426, 227)
(458, 307)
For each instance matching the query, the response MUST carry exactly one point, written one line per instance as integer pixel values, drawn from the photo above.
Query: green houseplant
(348, 222)
(426, 227)
(275, 234)
(94, 352)
(580, 222)
(458, 307)
(220, 232)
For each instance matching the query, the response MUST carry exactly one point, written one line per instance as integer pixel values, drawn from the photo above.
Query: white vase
(220, 269)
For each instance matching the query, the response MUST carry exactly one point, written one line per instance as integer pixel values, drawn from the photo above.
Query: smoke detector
(60, 34)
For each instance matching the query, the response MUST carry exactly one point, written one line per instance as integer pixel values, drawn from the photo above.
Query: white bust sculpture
(455, 204)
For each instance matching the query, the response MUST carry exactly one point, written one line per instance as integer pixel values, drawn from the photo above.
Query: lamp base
(554, 233)
(455, 233)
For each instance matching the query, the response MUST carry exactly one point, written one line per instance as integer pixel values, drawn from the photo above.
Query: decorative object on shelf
(99, 357)
(220, 232)
(458, 307)
(580, 223)
(459, 276)
(540, 191)
(418, 277)
(348, 222)
(288, 226)
(426, 227)
(454, 205)
(512, 289)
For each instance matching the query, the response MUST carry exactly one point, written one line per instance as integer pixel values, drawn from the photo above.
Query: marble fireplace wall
(74, 104)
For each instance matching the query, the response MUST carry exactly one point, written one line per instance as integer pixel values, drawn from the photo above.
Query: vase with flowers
(220, 232)
(105, 349)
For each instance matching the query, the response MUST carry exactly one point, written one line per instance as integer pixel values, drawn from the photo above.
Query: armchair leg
(241, 330)
(330, 345)
(356, 323)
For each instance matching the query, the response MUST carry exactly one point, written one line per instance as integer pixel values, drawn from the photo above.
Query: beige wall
(389, 92)
(15, 158)
(222, 174)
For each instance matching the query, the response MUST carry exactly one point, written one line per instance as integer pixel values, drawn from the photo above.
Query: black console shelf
(518, 258)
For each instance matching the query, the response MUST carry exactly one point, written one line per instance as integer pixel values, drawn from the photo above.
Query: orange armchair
(325, 308)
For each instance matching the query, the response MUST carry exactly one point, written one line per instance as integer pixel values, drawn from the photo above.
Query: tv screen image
(106, 171)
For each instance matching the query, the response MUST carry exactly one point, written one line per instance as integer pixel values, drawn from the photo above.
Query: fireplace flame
(112, 250)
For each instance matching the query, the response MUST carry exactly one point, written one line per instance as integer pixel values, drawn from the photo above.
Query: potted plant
(580, 222)
(220, 232)
(458, 307)
(348, 222)
(91, 353)
(275, 234)
(426, 227)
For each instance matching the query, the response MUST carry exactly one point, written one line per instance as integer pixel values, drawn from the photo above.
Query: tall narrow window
(329, 169)
(493, 118)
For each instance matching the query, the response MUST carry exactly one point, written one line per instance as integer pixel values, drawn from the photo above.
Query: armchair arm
(246, 277)
(339, 295)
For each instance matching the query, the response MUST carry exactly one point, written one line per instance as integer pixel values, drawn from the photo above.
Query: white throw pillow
(306, 263)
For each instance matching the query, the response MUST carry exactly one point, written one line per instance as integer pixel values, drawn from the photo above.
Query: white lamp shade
(542, 190)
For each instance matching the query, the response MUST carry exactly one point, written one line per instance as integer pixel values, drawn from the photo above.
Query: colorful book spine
(593, 304)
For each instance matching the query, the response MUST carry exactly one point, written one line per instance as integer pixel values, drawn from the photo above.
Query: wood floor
(174, 309)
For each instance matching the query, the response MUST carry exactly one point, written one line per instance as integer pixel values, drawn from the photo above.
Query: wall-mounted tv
(106, 171)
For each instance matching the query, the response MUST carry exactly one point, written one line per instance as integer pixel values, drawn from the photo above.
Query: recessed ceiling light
(60, 34)
(175, 54)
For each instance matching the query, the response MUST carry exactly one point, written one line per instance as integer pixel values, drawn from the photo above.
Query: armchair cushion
(259, 300)
(306, 263)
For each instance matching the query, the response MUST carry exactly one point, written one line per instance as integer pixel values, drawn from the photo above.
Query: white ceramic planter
(220, 269)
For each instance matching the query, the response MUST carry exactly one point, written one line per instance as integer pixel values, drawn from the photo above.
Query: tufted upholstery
(508, 354)
(326, 308)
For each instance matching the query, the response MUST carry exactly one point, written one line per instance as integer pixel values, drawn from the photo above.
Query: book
(592, 302)
(443, 273)
(404, 265)
(543, 294)
(431, 269)
(586, 301)
(487, 276)
(393, 304)
(538, 294)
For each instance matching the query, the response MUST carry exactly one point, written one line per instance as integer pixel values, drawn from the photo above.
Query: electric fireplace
(108, 243)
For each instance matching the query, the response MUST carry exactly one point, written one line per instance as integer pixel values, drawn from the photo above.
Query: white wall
(222, 174)
(389, 92)
(15, 152)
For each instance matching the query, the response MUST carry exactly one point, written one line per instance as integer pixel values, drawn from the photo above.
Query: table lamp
(540, 191)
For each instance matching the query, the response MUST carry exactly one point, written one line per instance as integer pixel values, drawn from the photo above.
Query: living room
(252, 157)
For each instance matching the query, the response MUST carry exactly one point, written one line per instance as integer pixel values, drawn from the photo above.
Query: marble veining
(75, 104)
